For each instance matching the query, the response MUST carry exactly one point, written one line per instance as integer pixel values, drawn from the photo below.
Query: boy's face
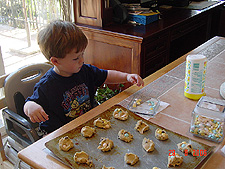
(70, 64)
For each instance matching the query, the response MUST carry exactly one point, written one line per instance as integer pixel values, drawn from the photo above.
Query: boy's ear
(54, 60)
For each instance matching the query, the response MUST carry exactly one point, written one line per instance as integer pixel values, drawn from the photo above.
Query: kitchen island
(167, 84)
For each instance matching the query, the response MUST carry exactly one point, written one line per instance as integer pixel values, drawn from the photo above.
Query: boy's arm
(121, 77)
(35, 112)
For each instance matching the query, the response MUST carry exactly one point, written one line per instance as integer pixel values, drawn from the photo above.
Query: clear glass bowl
(144, 105)
(208, 119)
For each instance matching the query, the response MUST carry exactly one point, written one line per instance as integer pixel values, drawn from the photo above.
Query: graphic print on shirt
(76, 101)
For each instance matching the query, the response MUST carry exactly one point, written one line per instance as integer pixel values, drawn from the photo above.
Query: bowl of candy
(144, 105)
(208, 119)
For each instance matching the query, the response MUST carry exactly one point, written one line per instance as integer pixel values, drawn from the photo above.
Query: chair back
(23, 81)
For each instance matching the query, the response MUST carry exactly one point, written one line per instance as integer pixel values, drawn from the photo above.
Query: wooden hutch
(146, 48)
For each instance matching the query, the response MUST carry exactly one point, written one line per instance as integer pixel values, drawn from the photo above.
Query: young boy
(67, 90)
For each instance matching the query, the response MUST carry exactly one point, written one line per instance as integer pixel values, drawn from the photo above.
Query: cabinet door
(113, 51)
(187, 36)
(108, 50)
(155, 53)
(88, 12)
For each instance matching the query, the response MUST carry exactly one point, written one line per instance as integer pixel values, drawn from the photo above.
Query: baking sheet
(115, 157)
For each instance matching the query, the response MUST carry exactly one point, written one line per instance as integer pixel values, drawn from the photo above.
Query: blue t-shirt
(66, 98)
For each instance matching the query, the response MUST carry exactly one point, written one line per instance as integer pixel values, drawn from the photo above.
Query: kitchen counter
(168, 85)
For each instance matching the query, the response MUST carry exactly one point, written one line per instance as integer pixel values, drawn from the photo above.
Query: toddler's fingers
(33, 119)
(43, 116)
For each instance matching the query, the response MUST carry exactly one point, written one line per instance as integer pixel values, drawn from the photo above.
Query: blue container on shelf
(144, 19)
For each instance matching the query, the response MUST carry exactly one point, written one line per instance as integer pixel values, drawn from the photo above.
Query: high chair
(18, 86)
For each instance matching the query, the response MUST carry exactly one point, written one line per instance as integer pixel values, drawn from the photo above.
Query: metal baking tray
(115, 157)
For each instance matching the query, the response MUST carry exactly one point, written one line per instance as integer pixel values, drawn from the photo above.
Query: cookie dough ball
(125, 136)
(174, 160)
(105, 144)
(141, 126)
(185, 146)
(102, 123)
(155, 168)
(161, 134)
(120, 114)
(65, 143)
(87, 131)
(82, 158)
(131, 158)
(104, 167)
(148, 145)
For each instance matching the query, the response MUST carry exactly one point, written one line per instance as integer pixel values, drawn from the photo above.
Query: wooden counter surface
(177, 114)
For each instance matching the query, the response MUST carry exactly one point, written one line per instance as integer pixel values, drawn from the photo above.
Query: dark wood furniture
(145, 49)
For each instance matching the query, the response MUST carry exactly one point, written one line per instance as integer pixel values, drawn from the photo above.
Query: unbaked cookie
(185, 146)
(87, 131)
(102, 123)
(155, 168)
(174, 160)
(65, 143)
(131, 158)
(82, 158)
(104, 167)
(120, 114)
(141, 126)
(125, 136)
(148, 145)
(105, 144)
(161, 134)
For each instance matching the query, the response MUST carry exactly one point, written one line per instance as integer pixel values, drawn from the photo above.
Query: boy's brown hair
(59, 38)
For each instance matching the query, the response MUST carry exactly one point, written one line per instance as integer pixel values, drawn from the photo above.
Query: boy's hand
(135, 79)
(35, 112)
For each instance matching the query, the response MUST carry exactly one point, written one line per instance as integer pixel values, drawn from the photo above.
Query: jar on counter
(208, 119)
(195, 76)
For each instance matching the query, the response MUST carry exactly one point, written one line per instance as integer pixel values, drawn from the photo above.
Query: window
(20, 21)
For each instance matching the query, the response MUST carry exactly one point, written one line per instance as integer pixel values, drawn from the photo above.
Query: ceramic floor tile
(180, 106)
(215, 93)
(215, 74)
(178, 72)
(214, 49)
(154, 89)
(220, 58)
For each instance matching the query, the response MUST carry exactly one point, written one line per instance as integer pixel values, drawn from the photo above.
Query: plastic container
(195, 76)
(144, 106)
(208, 119)
(144, 18)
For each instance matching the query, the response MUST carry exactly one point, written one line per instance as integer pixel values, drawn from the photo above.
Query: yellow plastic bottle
(195, 76)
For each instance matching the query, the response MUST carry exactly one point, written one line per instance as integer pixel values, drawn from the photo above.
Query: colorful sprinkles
(208, 128)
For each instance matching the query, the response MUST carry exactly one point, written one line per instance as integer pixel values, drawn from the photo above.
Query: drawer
(188, 27)
(157, 45)
(155, 63)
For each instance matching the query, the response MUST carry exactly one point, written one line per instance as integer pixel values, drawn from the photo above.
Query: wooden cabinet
(155, 53)
(145, 49)
(187, 35)
(109, 50)
(113, 51)
(88, 12)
